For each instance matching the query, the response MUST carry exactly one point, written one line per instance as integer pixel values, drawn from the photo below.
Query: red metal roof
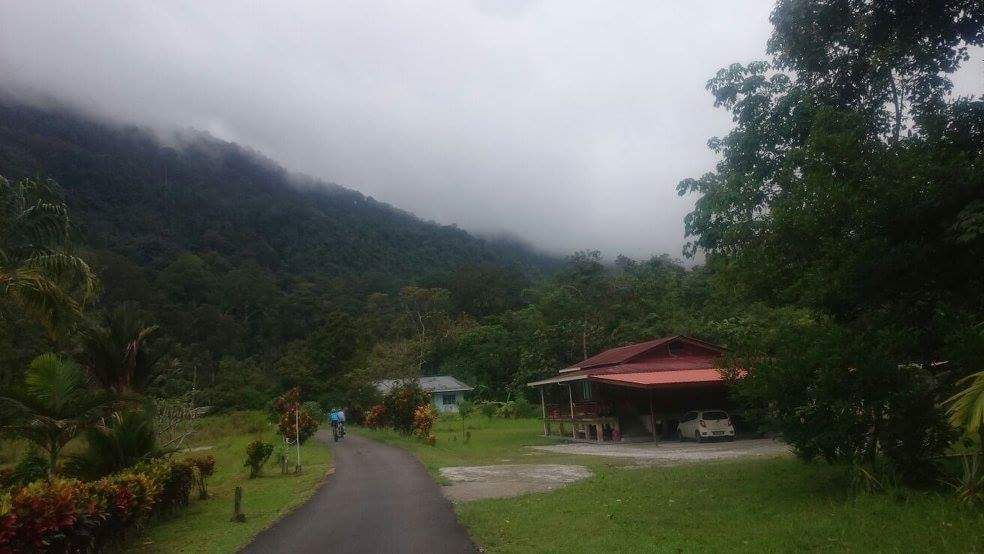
(654, 379)
(622, 353)
(647, 365)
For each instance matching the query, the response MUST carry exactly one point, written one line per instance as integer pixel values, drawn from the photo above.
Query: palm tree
(967, 406)
(54, 406)
(117, 354)
(38, 270)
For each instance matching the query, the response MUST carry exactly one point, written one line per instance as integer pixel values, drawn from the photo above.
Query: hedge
(72, 515)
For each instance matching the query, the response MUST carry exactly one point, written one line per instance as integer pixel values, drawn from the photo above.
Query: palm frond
(967, 406)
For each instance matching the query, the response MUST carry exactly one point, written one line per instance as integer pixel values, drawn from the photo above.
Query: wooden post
(237, 509)
(543, 410)
(570, 394)
(652, 416)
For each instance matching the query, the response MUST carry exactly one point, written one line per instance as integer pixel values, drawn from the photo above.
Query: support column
(570, 395)
(652, 416)
(543, 410)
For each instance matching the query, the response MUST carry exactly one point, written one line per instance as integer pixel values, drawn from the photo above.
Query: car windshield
(713, 416)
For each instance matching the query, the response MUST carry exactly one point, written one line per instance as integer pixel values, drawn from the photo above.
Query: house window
(449, 399)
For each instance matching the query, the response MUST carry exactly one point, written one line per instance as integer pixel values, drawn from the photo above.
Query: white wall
(438, 400)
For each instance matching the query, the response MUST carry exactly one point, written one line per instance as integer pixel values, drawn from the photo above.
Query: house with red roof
(634, 392)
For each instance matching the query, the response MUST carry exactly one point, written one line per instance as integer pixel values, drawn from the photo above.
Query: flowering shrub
(49, 515)
(424, 417)
(257, 453)
(376, 418)
(401, 402)
(288, 426)
(175, 479)
(301, 426)
(68, 515)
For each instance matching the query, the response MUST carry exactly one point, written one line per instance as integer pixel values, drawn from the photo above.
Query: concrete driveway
(674, 451)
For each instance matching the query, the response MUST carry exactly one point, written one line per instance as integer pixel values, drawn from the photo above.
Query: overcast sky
(565, 123)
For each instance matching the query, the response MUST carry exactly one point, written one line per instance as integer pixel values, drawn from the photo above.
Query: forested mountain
(227, 251)
(151, 202)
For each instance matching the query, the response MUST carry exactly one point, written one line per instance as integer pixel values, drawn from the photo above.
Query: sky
(567, 123)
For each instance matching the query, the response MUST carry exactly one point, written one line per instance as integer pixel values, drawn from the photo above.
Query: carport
(633, 393)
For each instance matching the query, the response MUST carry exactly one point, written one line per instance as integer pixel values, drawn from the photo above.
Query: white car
(706, 424)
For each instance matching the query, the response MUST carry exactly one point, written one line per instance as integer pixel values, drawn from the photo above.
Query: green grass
(752, 505)
(205, 525)
(494, 441)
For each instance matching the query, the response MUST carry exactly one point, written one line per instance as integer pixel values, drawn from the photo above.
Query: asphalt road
(380, 499)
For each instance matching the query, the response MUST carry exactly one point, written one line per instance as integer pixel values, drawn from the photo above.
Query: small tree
(204, 468)
(54, 406)
(257, 454)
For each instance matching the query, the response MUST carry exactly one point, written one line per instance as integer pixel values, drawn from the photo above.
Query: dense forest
(232, 256)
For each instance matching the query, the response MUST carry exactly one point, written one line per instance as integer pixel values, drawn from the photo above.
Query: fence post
(237, 510)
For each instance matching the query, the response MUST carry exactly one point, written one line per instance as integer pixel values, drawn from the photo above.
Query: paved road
(380, 499)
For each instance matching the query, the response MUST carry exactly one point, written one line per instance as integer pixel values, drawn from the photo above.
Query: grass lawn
(495, 441)
(752, 505)
(205, 525)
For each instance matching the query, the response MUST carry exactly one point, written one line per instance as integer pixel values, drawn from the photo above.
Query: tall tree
(39, 270)
(848, 188)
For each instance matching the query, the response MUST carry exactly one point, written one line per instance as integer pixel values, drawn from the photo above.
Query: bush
(302, 427)
(401, 403)
(424, 418)
(204, 468)
(32, 467)
(314, 410)
(291, 426)
(127, 439)
(466, 408)
(257, 454)
(488, 408)
(175, 479)
(376, 418)
(68, 515)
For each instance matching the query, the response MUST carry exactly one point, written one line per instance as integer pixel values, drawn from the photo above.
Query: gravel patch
(501, 481)
(675, 452)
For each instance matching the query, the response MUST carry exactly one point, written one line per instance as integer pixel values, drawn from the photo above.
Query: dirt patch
(674, 452)
(501, 481)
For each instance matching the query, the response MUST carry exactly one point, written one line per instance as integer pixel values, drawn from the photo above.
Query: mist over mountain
(151, 201)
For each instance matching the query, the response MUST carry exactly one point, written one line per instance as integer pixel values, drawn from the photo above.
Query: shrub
(257, 454)
(67, 515)
(32, 467)
(314, 410)
(295, 421)
(525, 408)
(507, 410)
(401, 402)
(50, 515)
(466, 408)
(127, 439)
(175, 479)
(204, 468)
(303, 427)
(376, 417)
(424, 418)
(488, 408)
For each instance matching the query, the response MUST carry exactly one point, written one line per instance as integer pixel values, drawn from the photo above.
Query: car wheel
(731, 438)
(680, 436)
(697, 436)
